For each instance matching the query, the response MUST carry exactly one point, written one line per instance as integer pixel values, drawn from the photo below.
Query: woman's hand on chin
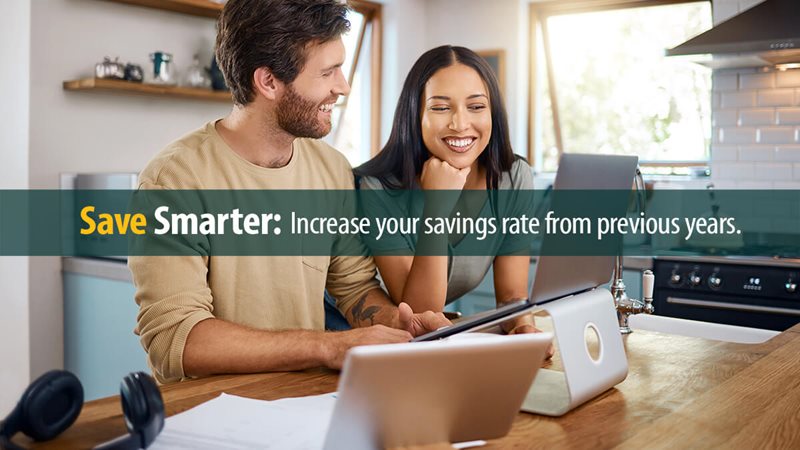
(440, 175)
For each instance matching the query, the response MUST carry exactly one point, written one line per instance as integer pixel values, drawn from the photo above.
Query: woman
(450, 132)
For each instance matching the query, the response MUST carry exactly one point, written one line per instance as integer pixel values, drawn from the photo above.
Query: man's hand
(337, 344)
(419, 324)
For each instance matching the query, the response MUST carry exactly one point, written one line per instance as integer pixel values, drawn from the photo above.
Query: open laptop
(462, 389)
(559, 276)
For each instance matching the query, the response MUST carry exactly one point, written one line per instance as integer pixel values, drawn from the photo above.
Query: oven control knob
(695, 279)
(714, 281)
(675, 278)
(791, 287)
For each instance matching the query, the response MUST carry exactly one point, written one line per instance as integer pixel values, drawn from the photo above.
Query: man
(202, 315)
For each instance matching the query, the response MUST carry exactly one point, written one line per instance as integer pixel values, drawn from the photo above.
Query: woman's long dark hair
(401, 160)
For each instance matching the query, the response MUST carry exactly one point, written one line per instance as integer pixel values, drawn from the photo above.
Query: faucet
(625, 305)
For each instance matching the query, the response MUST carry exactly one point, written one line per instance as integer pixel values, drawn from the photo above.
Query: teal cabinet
(99, 344)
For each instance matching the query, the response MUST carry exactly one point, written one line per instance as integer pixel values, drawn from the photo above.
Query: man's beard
(298, 116)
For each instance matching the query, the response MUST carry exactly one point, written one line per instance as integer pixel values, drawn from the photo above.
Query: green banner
(105, 223)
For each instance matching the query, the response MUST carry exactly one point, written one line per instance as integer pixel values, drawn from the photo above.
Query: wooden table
(680, 392)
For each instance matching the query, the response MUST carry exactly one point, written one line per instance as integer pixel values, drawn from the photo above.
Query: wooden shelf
(121, 86)
(202, 8)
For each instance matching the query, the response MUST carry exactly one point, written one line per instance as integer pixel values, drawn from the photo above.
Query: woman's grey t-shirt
(464, 272)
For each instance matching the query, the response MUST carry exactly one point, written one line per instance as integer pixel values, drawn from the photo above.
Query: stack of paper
(232, 422)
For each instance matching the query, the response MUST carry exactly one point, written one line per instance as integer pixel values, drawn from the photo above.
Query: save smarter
(211, 224)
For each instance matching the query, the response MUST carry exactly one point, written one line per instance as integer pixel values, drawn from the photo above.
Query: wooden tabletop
(680, 392)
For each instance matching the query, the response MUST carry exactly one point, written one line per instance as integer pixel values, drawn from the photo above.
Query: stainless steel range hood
(766, 35)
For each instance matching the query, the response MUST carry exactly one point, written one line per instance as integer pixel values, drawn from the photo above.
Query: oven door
(731, 310)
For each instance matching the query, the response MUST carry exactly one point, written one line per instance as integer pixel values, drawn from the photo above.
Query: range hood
(767, 34)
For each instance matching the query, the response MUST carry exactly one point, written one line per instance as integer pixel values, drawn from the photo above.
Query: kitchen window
(351, 114)
(600, 83)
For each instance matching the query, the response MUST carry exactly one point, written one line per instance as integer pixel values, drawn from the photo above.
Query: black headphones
(52, 403)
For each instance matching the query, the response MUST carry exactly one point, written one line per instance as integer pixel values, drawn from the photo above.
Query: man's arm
(216, 346)
(375, 308)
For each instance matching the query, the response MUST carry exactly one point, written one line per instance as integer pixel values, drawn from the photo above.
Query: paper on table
(232, 422)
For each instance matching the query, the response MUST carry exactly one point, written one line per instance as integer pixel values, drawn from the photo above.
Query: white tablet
(464, 388)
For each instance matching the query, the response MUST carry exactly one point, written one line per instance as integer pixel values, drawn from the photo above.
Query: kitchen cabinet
(99, 344)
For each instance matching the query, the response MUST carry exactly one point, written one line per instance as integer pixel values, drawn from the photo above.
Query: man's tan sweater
(266, 292)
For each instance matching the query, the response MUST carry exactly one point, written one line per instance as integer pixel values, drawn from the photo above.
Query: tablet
(465, 388)
(481, 320)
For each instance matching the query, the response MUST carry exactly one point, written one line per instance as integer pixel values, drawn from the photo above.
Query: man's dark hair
(274, 34)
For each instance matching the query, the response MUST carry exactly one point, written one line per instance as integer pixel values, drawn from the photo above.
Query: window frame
(538, 15)
(373, 17)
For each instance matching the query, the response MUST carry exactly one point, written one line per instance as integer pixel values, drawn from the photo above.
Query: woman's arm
(511, 283)
(420, 281)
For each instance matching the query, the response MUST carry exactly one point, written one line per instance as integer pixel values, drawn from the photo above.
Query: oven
(746, 291)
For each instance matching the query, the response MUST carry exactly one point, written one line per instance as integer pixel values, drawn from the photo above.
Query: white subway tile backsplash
(724, 117)
(787, 78)
(754, 185)
(776, 135)
(788, 116)
(724, 153)
(724, 184)
(733, 170)
(725, 82)
(756, 153)
(740, 99)
(773, 172)
(750, 117)
(716, 100)
(780, 225)
(787, 153)
(787, 185)
(737, 135)
(776, 97)
(755, 120)
(757, 80)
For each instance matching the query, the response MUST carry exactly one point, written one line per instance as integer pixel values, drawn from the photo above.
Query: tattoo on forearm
(361, 314)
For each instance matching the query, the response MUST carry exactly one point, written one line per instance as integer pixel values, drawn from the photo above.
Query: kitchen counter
(680, 392)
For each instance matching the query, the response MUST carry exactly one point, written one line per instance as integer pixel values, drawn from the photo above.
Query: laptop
(466, 388)
(560, 276)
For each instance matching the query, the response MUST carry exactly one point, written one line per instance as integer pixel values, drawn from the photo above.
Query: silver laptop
(559, 276)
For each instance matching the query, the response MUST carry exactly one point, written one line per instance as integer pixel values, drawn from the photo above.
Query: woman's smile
(460, 144)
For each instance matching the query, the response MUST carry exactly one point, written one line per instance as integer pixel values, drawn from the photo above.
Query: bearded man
(201, 315)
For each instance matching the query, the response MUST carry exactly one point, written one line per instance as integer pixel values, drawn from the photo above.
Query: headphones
(52, 403)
